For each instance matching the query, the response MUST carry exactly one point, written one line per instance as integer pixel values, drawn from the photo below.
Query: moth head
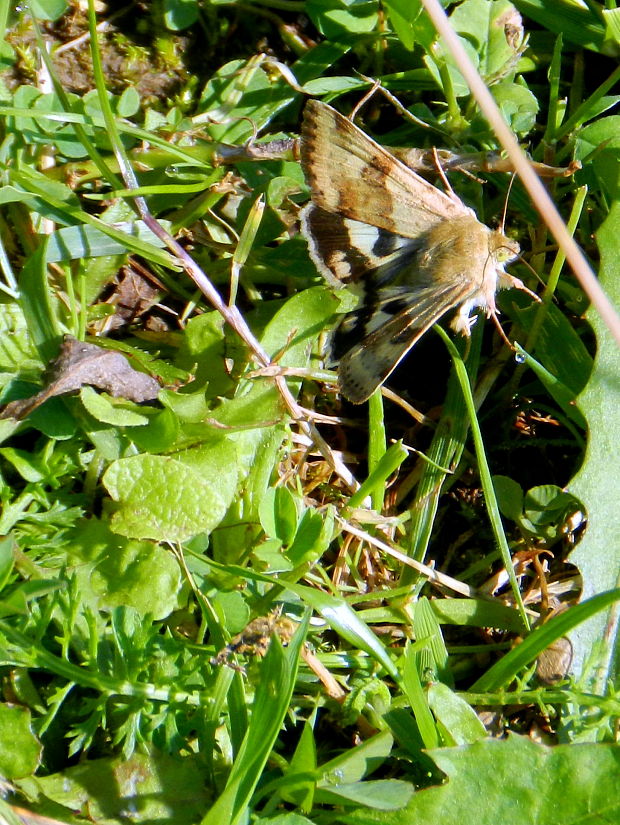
(504, 249)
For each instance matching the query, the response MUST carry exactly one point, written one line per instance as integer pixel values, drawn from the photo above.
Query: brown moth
(411, 251)
(255, 638)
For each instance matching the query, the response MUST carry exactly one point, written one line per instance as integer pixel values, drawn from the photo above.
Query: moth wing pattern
(411, 251)
(351, 175)
(367, 364)
(345, 250)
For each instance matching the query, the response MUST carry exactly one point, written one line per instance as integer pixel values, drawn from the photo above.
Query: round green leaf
(20, 750)
(172, 498)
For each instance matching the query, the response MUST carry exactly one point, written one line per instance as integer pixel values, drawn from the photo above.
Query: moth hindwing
(411, 251)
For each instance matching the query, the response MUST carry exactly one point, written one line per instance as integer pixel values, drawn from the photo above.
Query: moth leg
(463, 322)
(509, 281)
(376, 85)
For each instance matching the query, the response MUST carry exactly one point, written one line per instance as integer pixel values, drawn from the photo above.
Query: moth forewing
(351, 175)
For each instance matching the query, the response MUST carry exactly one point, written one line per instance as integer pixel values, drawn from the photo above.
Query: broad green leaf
(312, 538)
(482, 22)
(353, 765)
(515, 781)
(410, 24)
(541, 778)
(598, 554)
(166, 788)
(380, 795)
(338, 19)
(458, 721)
(517, 104)
(120, 414)
(172, 498)
(48, 9)
(559, 349)
(17, 351)
(180, 14)
(477, 613)
(332, 85)
(601, 140)
(509, 497)
(26, 463)
(113, 571)
(20, 750)
(278, 513)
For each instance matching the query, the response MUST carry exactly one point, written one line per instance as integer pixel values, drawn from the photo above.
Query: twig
(537, 191)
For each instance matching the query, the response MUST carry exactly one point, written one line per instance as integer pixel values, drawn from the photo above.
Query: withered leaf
(133, 296)
(79, 364)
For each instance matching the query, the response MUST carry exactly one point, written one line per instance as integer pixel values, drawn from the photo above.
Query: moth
(255, 638)
(410, 251)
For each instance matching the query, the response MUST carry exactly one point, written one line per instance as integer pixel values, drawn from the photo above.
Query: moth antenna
(505, 210)
(529, 266)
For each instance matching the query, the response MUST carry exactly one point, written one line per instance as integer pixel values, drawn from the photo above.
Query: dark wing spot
(396, 305)
(386, 243)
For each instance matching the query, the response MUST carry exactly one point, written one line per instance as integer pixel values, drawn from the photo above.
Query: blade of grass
(377, 444)
(485, 473)
(412, 687)
(581, 114)
(374, 485)
(271, 704)
(556, 112)
(445, 450)
(503, 671)
(64, 99)
(243, 248)
(37, 305)
(336, 612)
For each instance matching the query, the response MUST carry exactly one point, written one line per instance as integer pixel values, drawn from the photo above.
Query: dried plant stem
(233, 317)
(537, 191)
(230, 313)
(428, 572)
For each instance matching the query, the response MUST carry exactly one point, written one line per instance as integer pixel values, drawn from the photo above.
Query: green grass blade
(509, 665)
(271, 703)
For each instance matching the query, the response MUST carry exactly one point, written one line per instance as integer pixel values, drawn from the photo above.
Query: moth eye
(506, 253)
